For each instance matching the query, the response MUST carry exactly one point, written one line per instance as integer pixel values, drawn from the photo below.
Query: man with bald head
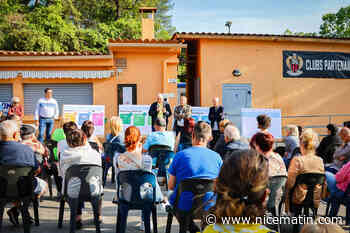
(159, 110)
(342, 154)
(216, 114)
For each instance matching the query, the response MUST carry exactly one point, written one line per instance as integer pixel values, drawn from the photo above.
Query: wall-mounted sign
(316, 64)
(172, 80)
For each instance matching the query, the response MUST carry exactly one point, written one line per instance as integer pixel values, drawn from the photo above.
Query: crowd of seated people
(241, 169)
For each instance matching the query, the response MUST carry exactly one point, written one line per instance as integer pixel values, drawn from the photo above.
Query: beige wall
(150, 72)
(260, 63)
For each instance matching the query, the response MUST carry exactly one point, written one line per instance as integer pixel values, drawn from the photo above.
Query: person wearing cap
(28, 138)
(160, 136)
(16, 108)
(159, 109)
(46, 112)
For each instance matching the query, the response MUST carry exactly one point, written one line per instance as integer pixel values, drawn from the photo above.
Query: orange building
(259, 81)
(142, 67)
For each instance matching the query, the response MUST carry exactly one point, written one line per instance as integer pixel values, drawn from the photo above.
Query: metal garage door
(63, 93)
(5, 92)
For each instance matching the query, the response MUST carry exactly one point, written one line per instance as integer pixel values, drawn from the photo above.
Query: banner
(200, 114)
(316, 64)
(81, 113)
(4, 107)
(249, 124)
(136, 115)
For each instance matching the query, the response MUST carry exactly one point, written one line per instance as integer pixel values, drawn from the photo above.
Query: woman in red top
(16, 108)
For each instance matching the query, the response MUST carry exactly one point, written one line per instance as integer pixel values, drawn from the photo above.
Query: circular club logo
(295, 65)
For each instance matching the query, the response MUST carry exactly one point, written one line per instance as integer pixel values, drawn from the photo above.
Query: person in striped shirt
(45, 114)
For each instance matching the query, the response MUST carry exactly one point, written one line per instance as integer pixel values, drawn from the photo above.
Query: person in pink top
(337, 185)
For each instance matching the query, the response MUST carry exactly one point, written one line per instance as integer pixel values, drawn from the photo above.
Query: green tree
(336, 25)
(75, 25)
(290, 33)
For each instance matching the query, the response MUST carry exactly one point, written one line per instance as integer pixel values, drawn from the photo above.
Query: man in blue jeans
(46, 112)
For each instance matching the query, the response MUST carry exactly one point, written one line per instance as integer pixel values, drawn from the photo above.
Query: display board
(136, 115)
(81, 113)
(4, 107)
(200, 113)
(249, 124)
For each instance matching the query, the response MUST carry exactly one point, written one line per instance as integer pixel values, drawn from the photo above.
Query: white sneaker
(142, 226)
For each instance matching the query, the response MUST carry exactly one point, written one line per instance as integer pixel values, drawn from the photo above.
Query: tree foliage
(336, 25)
(75, 25)
(291, 33)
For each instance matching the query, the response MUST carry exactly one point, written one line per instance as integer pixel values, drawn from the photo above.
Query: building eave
(259, 37)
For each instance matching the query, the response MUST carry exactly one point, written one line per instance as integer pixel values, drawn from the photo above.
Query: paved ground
(48, 213)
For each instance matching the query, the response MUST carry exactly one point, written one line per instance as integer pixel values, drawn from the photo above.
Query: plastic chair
(275, 183)
(310, 180)
(344, 201)
(83, 183)
(47, 173)
(136, 190)
(198, 187)
(163, 155)
(110, 149)
(16, 185)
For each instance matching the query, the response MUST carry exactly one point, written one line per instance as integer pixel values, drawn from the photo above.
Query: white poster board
(136, 115)
(249, 124)
(81, 113)
(200, 113)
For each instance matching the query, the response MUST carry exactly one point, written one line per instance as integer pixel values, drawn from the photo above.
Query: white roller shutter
(63, 93)
(5, 92)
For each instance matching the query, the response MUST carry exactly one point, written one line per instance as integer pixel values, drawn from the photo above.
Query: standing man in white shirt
(216, 114)
(46, 112)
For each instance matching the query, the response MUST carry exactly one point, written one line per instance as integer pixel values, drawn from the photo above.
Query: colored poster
(139, 119)
(136, 115)
(69, 116)
(83, 116)
(97, 118)
(126, 118)
(200, 113)
(81, 113)
(4, 107)
(249, 124)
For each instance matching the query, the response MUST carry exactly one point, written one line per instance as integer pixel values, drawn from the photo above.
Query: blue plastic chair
(162, 156)
(136, 190)
(107, 160)
(83, 183)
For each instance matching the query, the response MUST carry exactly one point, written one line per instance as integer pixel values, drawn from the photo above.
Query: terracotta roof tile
(32, 53)
(153, 41)
(183, 35)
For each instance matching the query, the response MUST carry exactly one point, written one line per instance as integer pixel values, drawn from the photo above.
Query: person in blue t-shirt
(160, 137)
(195, 162)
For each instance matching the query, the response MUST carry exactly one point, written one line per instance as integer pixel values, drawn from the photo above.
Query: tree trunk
(117, 9)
